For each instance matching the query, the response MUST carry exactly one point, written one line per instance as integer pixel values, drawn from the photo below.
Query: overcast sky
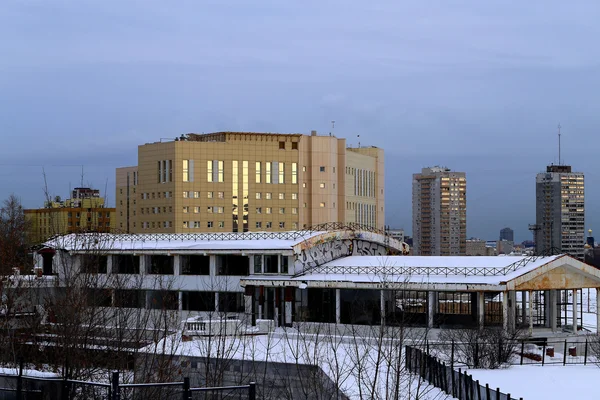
(477, 86)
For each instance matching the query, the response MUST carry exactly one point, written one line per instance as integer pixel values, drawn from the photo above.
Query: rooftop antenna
(332, 127)
(559, 163)
(358, 136)
(81, 176)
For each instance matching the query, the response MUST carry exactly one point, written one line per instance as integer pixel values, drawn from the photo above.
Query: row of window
(78, 215)
(211, 195)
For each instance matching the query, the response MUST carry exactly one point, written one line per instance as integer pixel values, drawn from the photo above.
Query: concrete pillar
(216, 301)
(177, 265)
(143, 264)
(597, 310)
(261, 301)
(289, 300)
(575, 311)
(338, 307)
(212, 265)
(480, 309)
(552, 316)
(180, 294)
(505, 311)
(109, 264)
(523, 307)
(382, 306)
(529, 313)
(431, 302)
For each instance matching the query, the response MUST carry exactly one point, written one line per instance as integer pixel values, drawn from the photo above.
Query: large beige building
(439, 212)
(240, 181)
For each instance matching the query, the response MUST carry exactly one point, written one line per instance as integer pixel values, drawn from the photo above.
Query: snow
(533, 382)
(28, 372)
(352, 362)
(198, 241)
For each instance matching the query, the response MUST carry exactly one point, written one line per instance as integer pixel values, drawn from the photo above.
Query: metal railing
(457, 383)
(22, 387)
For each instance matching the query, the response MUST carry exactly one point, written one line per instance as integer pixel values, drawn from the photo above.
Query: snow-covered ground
(533, 382)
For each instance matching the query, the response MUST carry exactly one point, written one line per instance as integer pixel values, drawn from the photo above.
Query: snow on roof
(425, 269)
(199, 241)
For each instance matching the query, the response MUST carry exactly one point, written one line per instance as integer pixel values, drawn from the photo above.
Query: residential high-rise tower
(439, 212)
(560, 211)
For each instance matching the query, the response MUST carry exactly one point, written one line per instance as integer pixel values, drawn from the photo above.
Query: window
(268, 172)
(281, 172)
(321, 169)
(322, 185)
(283, 264)
(196, 195)
(282, 224)
(196, 224)
(271, 264)
(268, 210)
(186, 224)
(281, 196)
(269, 224)
(303, 184)
(162, 265)
(77, 215)
(321, 204)
(267, 196)
(281, 145)
(294, 225)
(258, 196)
(294, 145)
(259, 224)
(221, 171)
(221, 195)
(197, 301)
(258, 264)
(294, 173)
(196, 210)
(219, 210)
(209, 224)
(304, 205)
(209, 171)
(210, 195)
(304, 169)
(281, 210)
(294, 210)
(186, 170)
(185, 195)
(294, 196)
(209, 209)
(195, 265)
(186, 209)
(221, 224)
(232, 264)
(258, 172)
(258, 210)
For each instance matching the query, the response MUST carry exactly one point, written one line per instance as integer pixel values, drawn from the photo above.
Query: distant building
(246, 181)
(507, 234)
(84, 211)
(505, 246)
(439, 200)
(397, 234)
(560, 212)
(475, 247)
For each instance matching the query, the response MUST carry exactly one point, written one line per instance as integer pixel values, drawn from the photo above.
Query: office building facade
(560, 211)
(439, 198)
(240, 182)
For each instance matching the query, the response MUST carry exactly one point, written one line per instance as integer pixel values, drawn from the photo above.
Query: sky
(476, 86)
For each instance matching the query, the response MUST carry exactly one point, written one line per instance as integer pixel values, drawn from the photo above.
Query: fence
(526, 352)
(458, 384)
(22, 387)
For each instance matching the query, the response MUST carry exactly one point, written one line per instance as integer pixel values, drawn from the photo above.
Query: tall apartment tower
(241, 181)
(439, 212)
(560, 211)
(507, 234)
